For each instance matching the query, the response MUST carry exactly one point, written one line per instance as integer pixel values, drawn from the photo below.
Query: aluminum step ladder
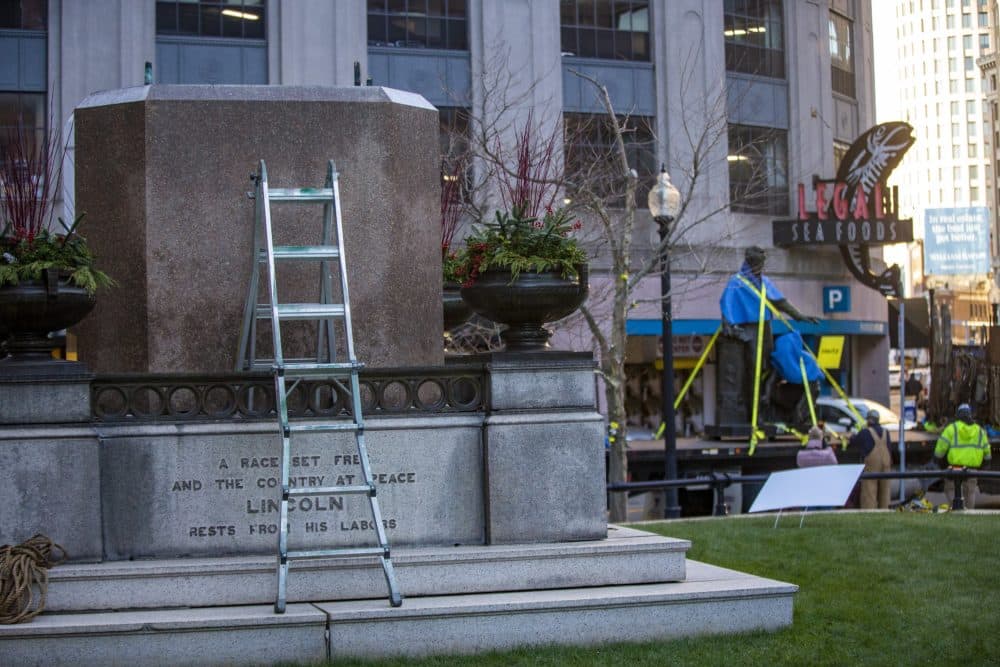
(330, 254)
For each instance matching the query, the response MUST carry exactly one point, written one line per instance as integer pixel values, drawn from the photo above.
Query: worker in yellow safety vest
(966, 445)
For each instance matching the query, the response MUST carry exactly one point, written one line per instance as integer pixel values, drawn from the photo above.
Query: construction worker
(966, 445)
(873, 442)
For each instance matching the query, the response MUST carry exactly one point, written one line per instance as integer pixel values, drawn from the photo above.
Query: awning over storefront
(916, 327)
(707, 327)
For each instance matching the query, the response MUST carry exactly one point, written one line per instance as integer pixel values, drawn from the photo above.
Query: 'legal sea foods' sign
(957, 241)
(856, 209)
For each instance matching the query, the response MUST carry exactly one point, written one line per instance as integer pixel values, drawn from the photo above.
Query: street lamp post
(664, 203)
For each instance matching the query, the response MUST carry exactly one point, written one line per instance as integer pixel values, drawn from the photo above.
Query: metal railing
(244, 396)
(719, 481)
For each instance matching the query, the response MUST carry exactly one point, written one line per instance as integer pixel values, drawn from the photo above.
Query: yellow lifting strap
(697, 369)
(805, 387)
(755, 433)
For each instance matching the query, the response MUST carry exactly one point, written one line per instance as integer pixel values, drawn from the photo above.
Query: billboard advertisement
(957, 241)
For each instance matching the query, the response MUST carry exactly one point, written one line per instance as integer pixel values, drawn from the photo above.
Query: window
(973, 150)
(24, 14)
(970, 107)
(974, 193)
(973, 172)
(432, 24)
(21, 111)
(984, 20)
(839, 151)
(952, 65)
(754, 36)
(954, 107)
(758, 170)
(969, 64)
(984, 43)
(956, 151)
(953, 86)
(955, 131)
(842, 55)
(952, 42)
(950, 21)
(967, 42)
(453, 135)
(966, 20)
(970, 85)
(604, 29)
(590, 159)
(233, 18)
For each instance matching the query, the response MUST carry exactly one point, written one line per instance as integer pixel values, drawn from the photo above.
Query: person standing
(873, 441)
(965, 445)
(815, 452)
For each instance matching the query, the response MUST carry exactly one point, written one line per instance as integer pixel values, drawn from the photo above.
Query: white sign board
(821, 486)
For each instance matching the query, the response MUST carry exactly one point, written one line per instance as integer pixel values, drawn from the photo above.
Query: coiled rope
(24, 577)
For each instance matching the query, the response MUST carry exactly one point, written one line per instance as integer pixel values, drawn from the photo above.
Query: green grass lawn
(874, 589)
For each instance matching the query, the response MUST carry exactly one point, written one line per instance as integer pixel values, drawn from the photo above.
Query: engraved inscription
(253, 484)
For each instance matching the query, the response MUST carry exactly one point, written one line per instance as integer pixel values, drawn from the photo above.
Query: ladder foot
(279, 607)
(395, 599)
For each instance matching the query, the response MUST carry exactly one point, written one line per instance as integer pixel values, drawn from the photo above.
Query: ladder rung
(303, 252)
(300, 194)
(302, 311)
(321, 427)
(313, 369)
(329, 490)
(327, 553)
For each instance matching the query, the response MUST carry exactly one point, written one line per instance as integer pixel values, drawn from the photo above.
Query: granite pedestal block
(162, 174)
(207, 490)
(51, 485)
(544, 449)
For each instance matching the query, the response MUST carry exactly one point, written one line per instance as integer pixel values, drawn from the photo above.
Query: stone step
(712, 600)
(628, 556)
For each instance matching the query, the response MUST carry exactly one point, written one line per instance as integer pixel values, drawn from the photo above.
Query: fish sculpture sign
(857, 209)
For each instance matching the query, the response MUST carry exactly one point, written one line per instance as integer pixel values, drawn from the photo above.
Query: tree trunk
(618, 456)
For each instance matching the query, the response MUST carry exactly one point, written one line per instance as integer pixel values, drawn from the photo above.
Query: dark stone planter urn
(456, 310)
(528, 302)
(29, 311)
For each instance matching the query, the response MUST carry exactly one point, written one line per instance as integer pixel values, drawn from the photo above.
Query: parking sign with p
(837, 299)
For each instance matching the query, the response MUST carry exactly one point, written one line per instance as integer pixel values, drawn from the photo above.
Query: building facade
(945, 73)
(794, 80)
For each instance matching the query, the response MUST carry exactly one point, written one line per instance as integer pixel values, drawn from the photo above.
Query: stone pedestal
(544, 450)
(162, 174)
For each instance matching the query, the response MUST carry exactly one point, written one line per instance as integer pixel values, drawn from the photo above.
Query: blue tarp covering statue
(781, 396)
(788, 350)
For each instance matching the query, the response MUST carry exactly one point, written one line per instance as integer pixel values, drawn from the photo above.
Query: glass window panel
(416, 31)
(585, 12)
(397, 30)
(567, 36)
(376, 5)
(435, 8)
(603, 14)
(458, 35)
(605, 43)
(377, 31)
(437, 33)
(211, 22)
(397, 6)
(456, 8)
(166, 17)
(254, 29)
(187, 19)
(567, 12)
(231, 26)
(587, 42)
